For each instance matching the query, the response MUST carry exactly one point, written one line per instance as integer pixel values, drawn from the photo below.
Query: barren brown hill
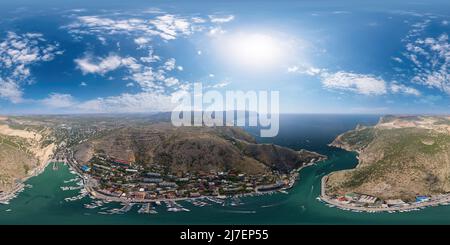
(194, 149)
(21, 152)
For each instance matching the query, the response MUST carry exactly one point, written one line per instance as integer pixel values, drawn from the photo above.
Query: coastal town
(126, 181)
(108, 178)
(359, 202)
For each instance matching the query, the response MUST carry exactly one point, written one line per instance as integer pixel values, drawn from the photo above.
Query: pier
(406, 207)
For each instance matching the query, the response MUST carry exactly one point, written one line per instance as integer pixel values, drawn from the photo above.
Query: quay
(401, 208)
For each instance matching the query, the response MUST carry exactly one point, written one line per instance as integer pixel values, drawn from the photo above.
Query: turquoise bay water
(44, 203)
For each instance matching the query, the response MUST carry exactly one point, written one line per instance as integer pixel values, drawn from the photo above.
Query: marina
(301, 204)
(147, 208)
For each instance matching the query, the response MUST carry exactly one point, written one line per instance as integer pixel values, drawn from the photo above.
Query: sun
(252, 50)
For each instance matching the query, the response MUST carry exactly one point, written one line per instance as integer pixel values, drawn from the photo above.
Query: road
(412, 206)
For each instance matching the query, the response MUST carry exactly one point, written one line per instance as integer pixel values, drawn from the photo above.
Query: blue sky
(323, 56)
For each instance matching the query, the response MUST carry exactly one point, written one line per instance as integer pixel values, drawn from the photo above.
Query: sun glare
(252, 50)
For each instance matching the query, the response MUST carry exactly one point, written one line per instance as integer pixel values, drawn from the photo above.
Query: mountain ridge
(399, 157)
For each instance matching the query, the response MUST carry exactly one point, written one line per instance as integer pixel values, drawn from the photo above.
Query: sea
(56, 196)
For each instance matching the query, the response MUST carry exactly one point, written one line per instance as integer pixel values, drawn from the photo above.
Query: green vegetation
(399, 147)
(360, 138)
(402, 161)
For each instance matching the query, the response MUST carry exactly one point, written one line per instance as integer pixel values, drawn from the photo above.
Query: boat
(147, 209)
(127, 207)
(215, 200)
(199, 203)
(75, 198)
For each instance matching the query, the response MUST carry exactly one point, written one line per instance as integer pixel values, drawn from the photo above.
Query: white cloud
(152, 73)
(215, 31)
(98, 24)
(171, 81)
(221, 84)
(307, 70)
(341, 12)
(171, 25)
(83, 84)
(17, 54)
(417, 29)
(312, 71)
(293, 69)
(101, 65)
(56, 100)
(198, 20)
(401, 88)
(124, 103)
(151, 80)
(150, 57)
(77, 10)
(169, 65)
(141, 41)
(128, 103)
(397, 59)
(358, 83)
(102, 40)
(166, 26)
(10, 90)
(148, 79)
(221, 19)
(430, 58)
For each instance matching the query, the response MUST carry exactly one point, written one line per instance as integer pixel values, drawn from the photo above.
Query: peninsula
(161, 162)
(143, 158)
(25, 151)
(404, 164)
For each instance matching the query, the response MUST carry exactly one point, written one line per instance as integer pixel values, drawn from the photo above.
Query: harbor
(301, 204)
(365, 203)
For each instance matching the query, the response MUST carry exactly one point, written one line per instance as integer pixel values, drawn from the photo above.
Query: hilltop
(23, 150)
(122, 154)
(187, 149)
(399, 158)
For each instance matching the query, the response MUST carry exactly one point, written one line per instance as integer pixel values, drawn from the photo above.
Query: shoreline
(98, 195)
(444, 200)
(432, 201)
(41, 154)
(6, 197)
